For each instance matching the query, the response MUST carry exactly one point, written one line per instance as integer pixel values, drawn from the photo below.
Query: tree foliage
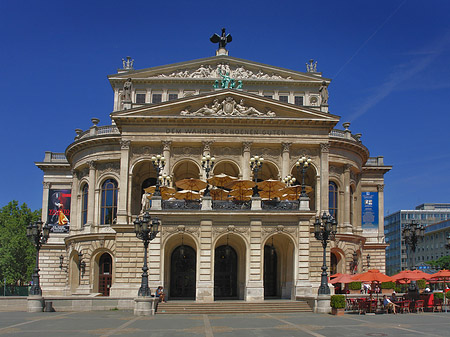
(17, 253)
(441, 263)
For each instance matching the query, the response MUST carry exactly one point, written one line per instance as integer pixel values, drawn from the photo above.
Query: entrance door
(105, 274)
(270, 271)
(182, 273)
(225, 273)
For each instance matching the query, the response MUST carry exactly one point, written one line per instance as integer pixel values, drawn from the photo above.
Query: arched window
(351, 204)
(333, 199)
(84, 203)
(109, 202)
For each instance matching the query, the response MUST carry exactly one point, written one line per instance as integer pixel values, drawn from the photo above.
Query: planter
(387, 291)
(338, 312)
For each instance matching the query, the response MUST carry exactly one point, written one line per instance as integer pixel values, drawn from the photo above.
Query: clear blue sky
(389, 62)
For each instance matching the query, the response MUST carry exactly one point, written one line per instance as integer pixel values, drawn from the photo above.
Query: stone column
(45, 192)
(324, 176)
(347, 226)
(285, 160)
(91, 196)
(166, 153)
(380, 213)
(123, 187)
(254, 290)
(245, 162)
(357, 210)
(74, 202)
(205, 282)
(303, 285)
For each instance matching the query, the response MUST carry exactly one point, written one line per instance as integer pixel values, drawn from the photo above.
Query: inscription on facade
(204, 131)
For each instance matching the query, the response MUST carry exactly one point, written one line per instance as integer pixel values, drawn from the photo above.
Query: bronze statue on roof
(222, 40)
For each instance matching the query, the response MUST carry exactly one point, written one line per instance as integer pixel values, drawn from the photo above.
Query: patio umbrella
(191, 184)
(237, 184)
(271, 185)
(150, 189)
(296, 190)
(218, 194)
(241, 194)
(335, 275)
(443, 275)
(411, 275)
(221, 179)
(187, 195)
(343, 278)
(372, 275)
(270, 194)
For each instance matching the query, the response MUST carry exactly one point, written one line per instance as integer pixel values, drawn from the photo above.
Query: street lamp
(38, 234)
(255, 165)
(368, 261)
(146, 229)
(81, 264)
(302, 166)
(165, 180)
(413, 233)
(289, 181)
(354, 263)
(207, 165)
(158, 163)
(325, 228)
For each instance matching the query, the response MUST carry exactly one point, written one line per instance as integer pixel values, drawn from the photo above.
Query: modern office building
(434, 244)
(230, 245)
(396, 252)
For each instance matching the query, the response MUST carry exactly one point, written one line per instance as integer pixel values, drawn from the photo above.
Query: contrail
(370, 37)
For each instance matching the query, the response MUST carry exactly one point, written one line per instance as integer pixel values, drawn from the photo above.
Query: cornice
(363, 151)
(90, 142)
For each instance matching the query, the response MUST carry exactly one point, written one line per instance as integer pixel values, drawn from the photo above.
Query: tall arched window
(351, 204)
(333, 199)
(84, 203)
(109, 202)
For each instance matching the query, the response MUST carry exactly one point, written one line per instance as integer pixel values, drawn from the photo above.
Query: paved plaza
(124, 323)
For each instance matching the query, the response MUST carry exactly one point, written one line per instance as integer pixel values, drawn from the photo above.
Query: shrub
(354, 286)
(439, 296)
(337, 301)
(421, 284)
(387, 285)
(447, 295)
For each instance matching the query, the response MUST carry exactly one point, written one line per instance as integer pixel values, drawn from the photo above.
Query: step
(190, 307)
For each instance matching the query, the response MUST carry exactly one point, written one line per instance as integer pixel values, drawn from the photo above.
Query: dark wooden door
(270, 271)
(183, 273)
(225, 273)
(105, 274)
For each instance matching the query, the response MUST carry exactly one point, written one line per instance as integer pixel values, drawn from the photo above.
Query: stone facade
(269, 246)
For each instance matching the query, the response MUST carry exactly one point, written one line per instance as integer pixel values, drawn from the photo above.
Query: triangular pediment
(225, 105)
(212, 68)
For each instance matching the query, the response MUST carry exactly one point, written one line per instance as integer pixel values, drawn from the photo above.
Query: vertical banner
(59, 211)
(369, 210)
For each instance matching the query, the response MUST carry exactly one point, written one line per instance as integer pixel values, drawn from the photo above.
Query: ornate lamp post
(354, 263)
(413, 233)
(158, 163)
(38, 234)
(368, 261)
(146, 229)
(81, 264)
(288, 180)
(325, 228)
(302, 165)
(256, 163)
(165, 180)
(207, 165)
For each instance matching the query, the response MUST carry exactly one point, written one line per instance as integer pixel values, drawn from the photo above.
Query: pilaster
(347, 226)
(254, 290)
(123, 190)
(324, 176)
(166, 145)
(380, 189)
(91, 196)
(245, 163)
(285, 159)
(205, 282)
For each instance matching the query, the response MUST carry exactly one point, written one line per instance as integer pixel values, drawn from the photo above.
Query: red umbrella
(343, 278)
(372, 275)
(441, 274)
(411, 275)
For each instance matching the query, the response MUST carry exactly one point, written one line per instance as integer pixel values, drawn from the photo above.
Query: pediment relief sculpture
(228, 107)
(238, 72)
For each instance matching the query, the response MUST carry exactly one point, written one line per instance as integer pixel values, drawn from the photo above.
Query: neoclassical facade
(232, 109)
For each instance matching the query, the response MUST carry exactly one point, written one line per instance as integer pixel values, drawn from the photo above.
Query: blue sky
(389, 62)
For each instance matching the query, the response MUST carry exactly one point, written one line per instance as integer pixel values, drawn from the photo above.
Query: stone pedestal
(145, 306)
(206, 203)
(35, 303)
(256, 204)
(221, 51)
(156, 203)
(323, 304)
(254, 292)
(304, 204)
(205, 292)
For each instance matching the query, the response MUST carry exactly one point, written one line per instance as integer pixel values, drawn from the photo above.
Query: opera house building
(235, 162)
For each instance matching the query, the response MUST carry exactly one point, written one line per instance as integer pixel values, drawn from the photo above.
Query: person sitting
(394, 297)
(388, 304)
(160, 294)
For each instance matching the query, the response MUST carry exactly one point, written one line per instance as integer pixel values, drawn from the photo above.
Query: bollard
(48, 307)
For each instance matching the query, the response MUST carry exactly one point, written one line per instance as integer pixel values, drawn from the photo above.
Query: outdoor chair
(362, 306)
(404, 307)
(437, 305)
(418, 306)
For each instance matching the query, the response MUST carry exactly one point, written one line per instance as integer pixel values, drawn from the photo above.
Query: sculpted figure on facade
(145, 202)
(126, 93)
(228, 107)
(323, 90)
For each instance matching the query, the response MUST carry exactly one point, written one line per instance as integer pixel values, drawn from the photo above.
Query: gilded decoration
(227, 107)
(214, 71)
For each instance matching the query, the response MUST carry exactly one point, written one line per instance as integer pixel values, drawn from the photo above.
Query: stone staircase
(232, 307)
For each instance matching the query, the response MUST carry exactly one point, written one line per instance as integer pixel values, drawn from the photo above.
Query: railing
(231, 205)
(58, 157)
(345, 135)
(99, 130)
(375, 161)
(181, 204)
(276, 205)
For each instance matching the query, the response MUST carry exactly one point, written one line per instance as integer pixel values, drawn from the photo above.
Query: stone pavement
(123, 323)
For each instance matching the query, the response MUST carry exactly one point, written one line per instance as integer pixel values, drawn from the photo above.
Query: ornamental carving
(335, 170)
(324, 147)
(217, 230)
(138, 151)
(299, 152)
(46, 184)
(278, 229)
(380, 188)
(207, 145)
(82, 173)
(270, 153)
(227, 107)
(125, 144)
(108, 167)
(166, 145)
(247, 146)
(237, 72)
(181, 229)
(186, 151)
(286, 146)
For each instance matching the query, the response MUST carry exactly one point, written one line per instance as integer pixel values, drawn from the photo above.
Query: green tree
(441, 263)
(17, 253)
